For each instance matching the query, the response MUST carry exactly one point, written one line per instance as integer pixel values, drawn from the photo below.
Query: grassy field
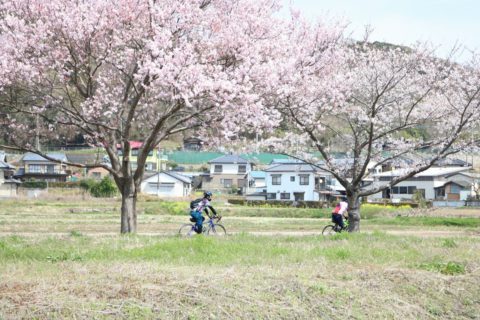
(65, 259)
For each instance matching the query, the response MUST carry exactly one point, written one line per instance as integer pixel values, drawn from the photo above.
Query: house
(257, 180)
(36, 167)
(226, 173)
(435, 183)
(192, 144)
(8, 185)
(156, 161)
(167, 184)
(97, 173)
(292, 180)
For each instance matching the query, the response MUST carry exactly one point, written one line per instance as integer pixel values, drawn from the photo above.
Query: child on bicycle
(199, 205)
(339, 212)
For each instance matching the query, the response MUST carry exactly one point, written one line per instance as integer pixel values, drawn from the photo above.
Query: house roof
(172, 174)
(462, 183)
(258, 174)
(291, 167)
(133, 145)
(3, 162)
(35, 157)
(431, 172)
(230, 158)
(86, 158)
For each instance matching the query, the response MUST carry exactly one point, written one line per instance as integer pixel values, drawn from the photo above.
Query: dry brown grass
(146, 290)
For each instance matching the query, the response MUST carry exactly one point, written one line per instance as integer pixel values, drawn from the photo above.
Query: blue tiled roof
(258, 174)
(35, 157)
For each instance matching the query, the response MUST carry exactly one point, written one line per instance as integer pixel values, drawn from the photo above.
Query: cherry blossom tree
(115, 69)
(360, 98)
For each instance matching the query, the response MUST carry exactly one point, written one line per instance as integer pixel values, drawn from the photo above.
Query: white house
(297, 181)
(8, 185)
(167, 184)
(227, 172)
(430, 183)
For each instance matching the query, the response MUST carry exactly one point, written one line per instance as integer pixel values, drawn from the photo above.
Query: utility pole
(37, 133)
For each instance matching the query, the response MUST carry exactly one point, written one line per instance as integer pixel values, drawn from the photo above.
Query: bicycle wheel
(329, 230)
(217, 230)
(186, 230)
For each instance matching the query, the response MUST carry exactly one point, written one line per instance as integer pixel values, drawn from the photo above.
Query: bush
(35, 184)
(88, 184)
(103, 189)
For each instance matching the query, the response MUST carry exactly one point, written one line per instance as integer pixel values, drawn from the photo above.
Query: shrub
(105, 188)
(35, 184)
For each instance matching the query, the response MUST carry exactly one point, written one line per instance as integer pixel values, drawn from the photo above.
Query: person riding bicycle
(199, 205)
(340, 212)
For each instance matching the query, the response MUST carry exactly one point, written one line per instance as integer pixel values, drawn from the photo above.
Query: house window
(292, 178)
(35, 168)
(134, 152)
(227, 183)
(440, 193)
(276, 179)
(218, 168)
(285, 196)
(304, 179)
(96, 175)
(404, 190)
(271, 196)
(120, 152)
(242, 169)
(150, 154)
(241, 183)
(50, 168)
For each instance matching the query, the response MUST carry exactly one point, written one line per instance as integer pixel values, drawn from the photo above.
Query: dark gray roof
(35, 157)
(230, 158)
(462, 183)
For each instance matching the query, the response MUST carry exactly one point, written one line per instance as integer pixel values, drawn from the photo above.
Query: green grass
(242, 249)
(428, 221)
(68, 261)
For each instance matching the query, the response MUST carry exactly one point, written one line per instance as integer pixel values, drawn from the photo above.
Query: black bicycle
(210, 228)
(331, 229)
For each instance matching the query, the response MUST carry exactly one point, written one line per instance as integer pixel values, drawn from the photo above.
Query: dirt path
(296, 233)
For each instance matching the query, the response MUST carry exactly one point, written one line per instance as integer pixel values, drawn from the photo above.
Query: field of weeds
(65, 259)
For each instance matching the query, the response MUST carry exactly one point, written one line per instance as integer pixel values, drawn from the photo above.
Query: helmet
(207, 194)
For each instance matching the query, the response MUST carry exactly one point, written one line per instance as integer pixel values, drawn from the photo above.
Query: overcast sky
(442, 22)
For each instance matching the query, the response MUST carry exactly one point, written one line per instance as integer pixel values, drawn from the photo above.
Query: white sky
(441, 22)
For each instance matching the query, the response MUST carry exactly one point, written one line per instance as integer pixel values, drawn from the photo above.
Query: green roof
(195, 157)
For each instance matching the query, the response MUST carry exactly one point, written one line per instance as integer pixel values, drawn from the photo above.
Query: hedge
(278, 203)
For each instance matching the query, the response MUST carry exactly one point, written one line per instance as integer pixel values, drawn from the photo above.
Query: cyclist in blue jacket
(199, 205)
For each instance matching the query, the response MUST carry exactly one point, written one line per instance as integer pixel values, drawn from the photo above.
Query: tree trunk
(129, 207)
(353, 213)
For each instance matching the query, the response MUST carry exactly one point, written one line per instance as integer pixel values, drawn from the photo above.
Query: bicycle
(331, 229)
(209, 228)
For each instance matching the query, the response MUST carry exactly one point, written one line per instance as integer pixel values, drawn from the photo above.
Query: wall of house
(8, 190)
(97, 173)
(428, 186)
(168, 187)
(229, 168)
(291, 187)
(43, 167)
(216, 181)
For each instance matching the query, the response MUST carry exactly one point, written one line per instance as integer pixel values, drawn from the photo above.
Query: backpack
(195, 203)
(337, 209)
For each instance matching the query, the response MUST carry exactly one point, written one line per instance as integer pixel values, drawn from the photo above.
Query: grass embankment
(67, 267)
(243, 276)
